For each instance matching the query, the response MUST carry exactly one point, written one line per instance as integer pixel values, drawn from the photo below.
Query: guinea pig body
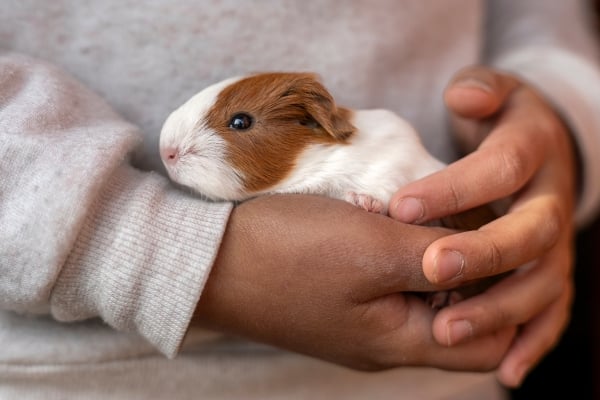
(383, 155)
(283, 133)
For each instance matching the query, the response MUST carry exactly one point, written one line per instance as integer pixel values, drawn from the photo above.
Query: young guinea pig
(283, 133)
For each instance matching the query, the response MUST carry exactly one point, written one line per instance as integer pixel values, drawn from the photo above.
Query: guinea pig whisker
(194, 152)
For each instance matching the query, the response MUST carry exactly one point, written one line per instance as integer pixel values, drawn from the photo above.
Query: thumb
(473, 96)
(478, 92)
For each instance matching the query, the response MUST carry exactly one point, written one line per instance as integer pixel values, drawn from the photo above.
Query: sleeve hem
(142, 258)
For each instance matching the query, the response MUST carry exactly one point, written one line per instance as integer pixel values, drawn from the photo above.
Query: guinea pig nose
(170, 154)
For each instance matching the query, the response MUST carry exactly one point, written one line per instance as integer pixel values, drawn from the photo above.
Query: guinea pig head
(242, 136)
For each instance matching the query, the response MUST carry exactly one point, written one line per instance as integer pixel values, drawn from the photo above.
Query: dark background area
(570, 371)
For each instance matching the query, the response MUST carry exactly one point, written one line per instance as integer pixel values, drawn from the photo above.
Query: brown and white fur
(299, 142)
(295, 139)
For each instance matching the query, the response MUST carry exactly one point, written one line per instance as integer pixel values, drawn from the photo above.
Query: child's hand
(521, 148)
(322, 277)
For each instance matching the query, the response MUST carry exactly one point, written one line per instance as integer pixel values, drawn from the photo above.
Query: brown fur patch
(290, 111)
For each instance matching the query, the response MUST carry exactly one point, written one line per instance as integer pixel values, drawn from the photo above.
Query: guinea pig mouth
(172, 172)
(205, 176)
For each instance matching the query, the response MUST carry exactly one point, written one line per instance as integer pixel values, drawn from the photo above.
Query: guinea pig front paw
(365, 201)
(441, 299)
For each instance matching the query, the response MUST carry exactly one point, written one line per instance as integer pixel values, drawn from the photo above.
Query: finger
(481, 354)
(478, 92)
(502, 165)
(376, 267)
(496, 247)
(417, 347)
(534, 341)
(395, 271)
(537, 218)
(513, 301)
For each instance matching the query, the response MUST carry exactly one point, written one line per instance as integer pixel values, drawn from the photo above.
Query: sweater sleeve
(554, 46)
(82, 233)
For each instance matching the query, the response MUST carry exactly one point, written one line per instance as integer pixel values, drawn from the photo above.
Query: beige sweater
(102, 260)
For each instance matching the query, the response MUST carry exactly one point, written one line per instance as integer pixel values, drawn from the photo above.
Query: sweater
(102, 259)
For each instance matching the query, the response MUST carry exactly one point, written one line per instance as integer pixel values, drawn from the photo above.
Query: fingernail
(448, 264)
(473, 83)
(457, 331)
(410, 210)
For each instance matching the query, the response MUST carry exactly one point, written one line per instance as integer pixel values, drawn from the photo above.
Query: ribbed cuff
(572, 84)
(141, 259)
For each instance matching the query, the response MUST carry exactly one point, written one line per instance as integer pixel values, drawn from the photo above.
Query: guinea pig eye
(240, 122)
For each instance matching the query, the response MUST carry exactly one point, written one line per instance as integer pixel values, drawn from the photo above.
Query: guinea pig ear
(320, 107)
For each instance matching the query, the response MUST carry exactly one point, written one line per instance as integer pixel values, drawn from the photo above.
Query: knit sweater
(102, 259)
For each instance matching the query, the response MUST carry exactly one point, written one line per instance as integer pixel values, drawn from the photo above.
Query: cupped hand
(520, 153)
(321, 277)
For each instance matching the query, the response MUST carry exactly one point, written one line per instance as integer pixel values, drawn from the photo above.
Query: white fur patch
(385, 154)
(201, 165)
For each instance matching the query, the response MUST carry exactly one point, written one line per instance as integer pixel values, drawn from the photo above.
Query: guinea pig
(283, 133)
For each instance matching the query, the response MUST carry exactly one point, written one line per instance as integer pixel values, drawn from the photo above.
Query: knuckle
(550, 222)
(513, 166)
(495, 257)
(554, 220)
(492, 260)
(454, 199)
(493, 317)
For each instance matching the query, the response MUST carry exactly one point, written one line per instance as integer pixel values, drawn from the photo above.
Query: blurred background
(572, 369)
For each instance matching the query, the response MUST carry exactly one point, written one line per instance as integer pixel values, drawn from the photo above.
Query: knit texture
(84, 235)
(141, 259)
